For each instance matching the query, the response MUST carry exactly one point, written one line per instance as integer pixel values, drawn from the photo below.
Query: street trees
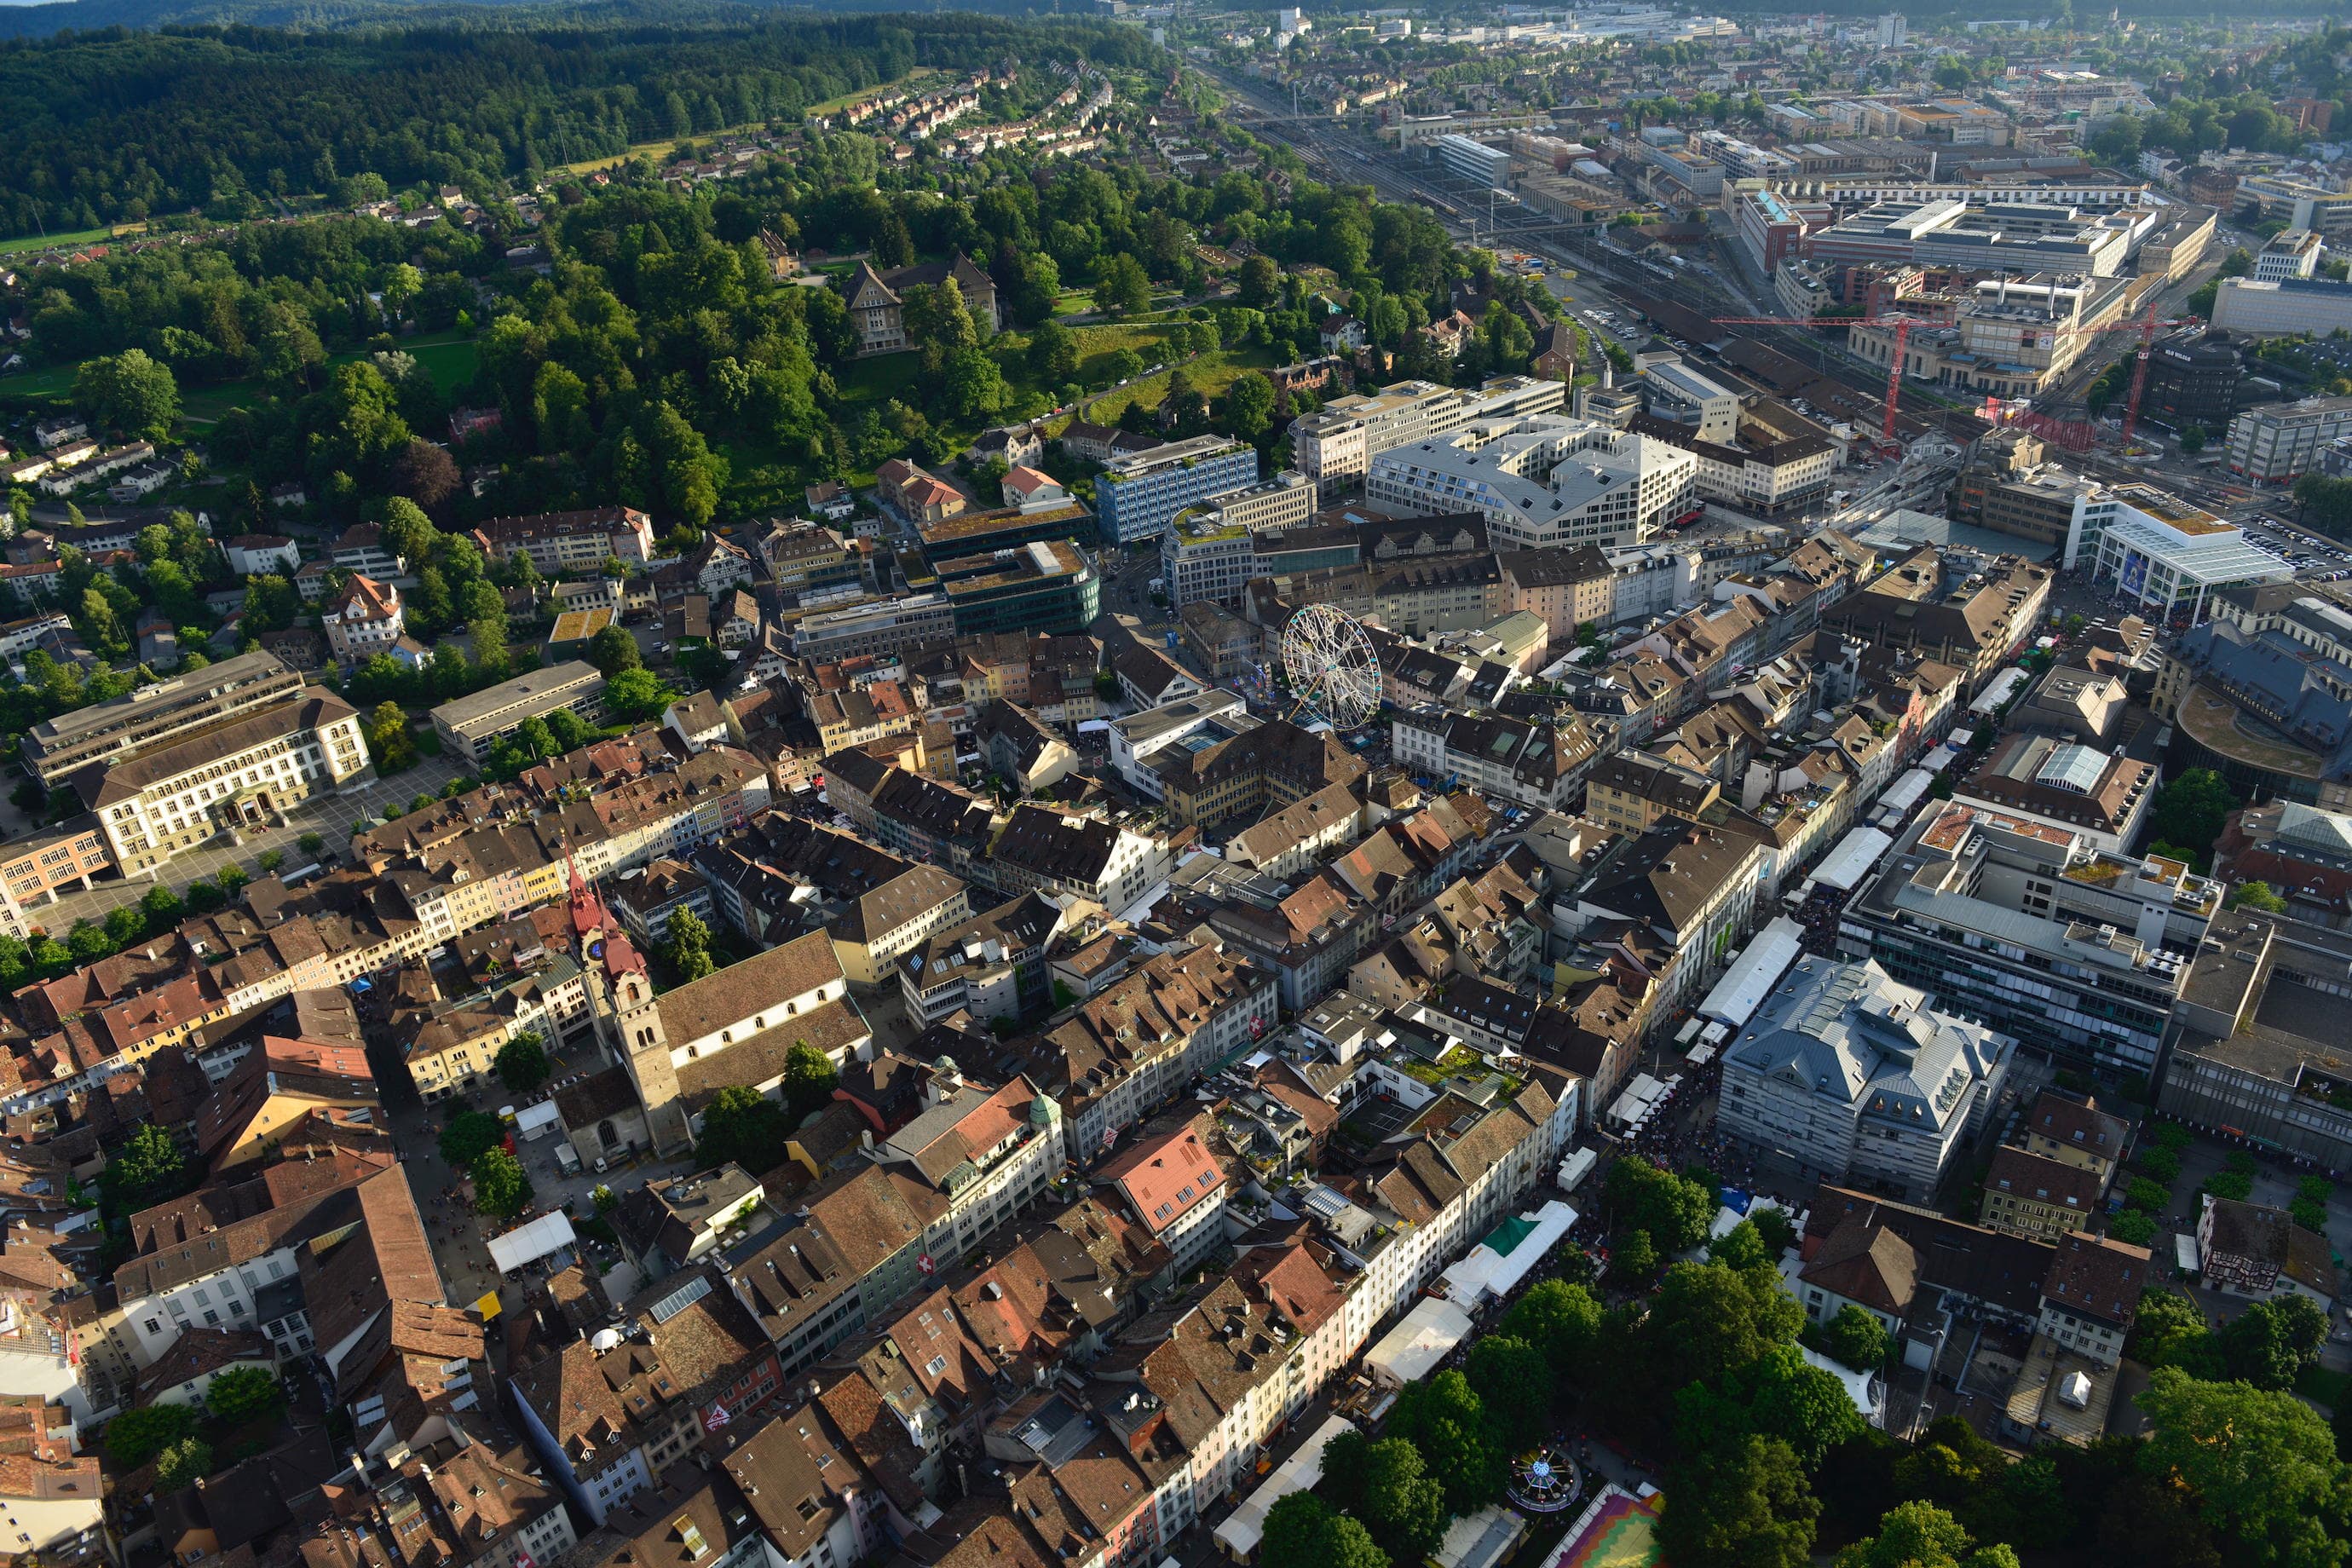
(1444, 1418)
(2189, 813)
(1514, 1381)
(522, 1063)
(466, 1134)
(2263, 1464)
(1560, 1320)
(1674, 1210)
(500, 1187)
(1857, 1338)
(1743, 1505)
(1387, 1484)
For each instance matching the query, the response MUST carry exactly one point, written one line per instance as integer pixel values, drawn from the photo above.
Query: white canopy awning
(1415, 1347)
(1241, 1533)
(542, 1237)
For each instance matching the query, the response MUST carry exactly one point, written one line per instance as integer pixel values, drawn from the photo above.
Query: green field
(43, 241)
(449, 358)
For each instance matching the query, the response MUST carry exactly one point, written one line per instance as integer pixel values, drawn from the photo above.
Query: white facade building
(1542, 482)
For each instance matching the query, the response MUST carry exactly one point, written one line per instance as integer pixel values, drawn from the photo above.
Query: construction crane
(1902, 325)
(2058, 430)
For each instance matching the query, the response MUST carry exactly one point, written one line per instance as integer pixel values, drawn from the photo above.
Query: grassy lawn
(33, 386)
(1212, 372)
(659, 148)
(43, 241)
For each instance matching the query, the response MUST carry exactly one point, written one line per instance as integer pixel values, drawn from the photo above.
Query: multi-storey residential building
(56, 748)
(1143, 1040)
(1531, 765)
(1953, 606)
(1567, 588)
(32, 869)
(206, 1260)
(1045, 849)
(2027, 1194)
(470, 726)
(991, 965)
(1854, 1075)
(1136, 496)
(1541, 481)
(2028, 928)
(1136, 741)
(1691, 888)
(365, 619)
(570, 540)
(247, 773)
(1275, 763)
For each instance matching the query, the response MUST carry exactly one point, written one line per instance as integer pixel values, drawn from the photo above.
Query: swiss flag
(925, 1263)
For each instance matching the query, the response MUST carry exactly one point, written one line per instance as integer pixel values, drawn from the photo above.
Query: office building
(1046, 588)
(2293, 253)
(1542, 482)
(1680, 395)
(2278, 443)
(1858, 1077)
(1136, 496)
(2258, 1049)
(2193, 379)
(1210, 551)
(1473, 161)
(2167, 557)
(469, 726)
(56, 748)
(875, 626)
(2286, 307)
(2031, 928)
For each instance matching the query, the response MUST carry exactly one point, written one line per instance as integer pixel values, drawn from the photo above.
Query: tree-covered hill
(114, 126)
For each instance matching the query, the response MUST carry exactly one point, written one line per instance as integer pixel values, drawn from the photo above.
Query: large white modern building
(1334, 446)
(1854, 1075)
(2163, 554)
(1542, 482)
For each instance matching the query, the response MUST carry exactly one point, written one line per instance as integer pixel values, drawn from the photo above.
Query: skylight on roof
(2073, 768)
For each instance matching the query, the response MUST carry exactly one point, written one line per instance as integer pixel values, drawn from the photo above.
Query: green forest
(117, 127)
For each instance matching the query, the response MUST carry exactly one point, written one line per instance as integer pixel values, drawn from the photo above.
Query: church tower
(645, 1047)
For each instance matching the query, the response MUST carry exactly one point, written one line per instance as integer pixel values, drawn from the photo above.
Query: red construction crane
(2145, 326)
(1902, 325)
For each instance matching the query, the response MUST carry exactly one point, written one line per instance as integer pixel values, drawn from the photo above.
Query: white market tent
(1496, 1266)
(1754, 973)
(2004, 687)
(1242, 1532)
(1868, 1395)
(1936, 761)
(1850, 862)
(1415, 1347)
(1576, 1167)
(1908, 791)
(1631, 1104)
(542, 1237)
(533, 1121)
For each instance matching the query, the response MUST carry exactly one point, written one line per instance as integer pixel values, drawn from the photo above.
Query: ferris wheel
(1330, 665)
